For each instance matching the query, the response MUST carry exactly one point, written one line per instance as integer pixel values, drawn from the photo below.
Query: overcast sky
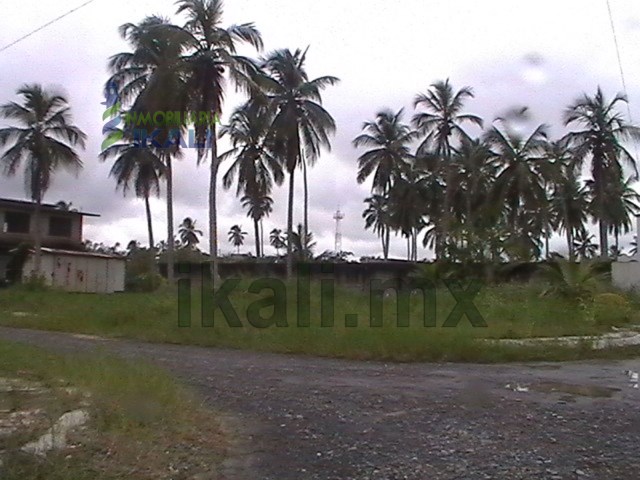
(539, 53)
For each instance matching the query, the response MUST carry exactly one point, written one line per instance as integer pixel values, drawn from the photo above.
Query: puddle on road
(592, 391)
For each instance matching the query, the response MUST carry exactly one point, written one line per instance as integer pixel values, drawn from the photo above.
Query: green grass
(510, 311)
(142, 421)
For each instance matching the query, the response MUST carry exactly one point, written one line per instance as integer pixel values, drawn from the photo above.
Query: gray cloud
(541, 54)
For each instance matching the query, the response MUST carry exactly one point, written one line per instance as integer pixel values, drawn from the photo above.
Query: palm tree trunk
(261, 238)
(604, 240)
(290, 226)
(570, 244)
(408, 247)
(170, 244)
(256, 228)
(37, 236)
(213, 208)
(306, 194)
(387, 242)
(547, 234)
(147, 208)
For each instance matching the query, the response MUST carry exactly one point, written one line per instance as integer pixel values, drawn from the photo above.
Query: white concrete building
(625, 270)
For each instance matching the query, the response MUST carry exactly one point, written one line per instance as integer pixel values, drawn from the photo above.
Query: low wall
(626, 275)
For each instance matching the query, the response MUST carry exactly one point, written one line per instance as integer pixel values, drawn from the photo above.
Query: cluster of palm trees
(501, 194)
(281, 127)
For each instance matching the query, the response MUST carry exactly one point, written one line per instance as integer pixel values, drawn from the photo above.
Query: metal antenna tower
(338, 217)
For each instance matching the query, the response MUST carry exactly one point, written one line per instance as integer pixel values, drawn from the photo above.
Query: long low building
(74, 271)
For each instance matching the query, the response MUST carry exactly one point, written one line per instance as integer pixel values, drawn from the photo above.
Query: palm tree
(569, 204)
(599, 142)
(389, 141)
(276, 240)
(376, 216)
(255, 167)
(259, 205)
(301, 126)
(407, 207)
(521, 181)
(302, 244)
(44, 140)
(151, 79)
(583, 244)
(621, 202)
(441, 123)
(214, 61)
(188, 233)
(236, 236)
(138, 168)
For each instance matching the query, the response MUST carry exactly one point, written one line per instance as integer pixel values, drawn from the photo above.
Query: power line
(617, 45)
(45, 25)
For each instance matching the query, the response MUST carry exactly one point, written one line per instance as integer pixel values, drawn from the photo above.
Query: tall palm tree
(236, 236)
(376, 216)
(254, 166)
(569, 202)
(44, 139)
(138, 168)
(212, 63)
(521, 181)
(151, 79)
(276, 240)
(259, 205)
(388, 140)
(603, 129)
(301, 126)
(408, 207)
(189, 233)
(441, 123)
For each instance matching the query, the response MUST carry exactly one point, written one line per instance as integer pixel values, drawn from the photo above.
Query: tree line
(502, 194)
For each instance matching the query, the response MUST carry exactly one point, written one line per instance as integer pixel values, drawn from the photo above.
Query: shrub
(577, 281)
(145, 283)
(611, 309)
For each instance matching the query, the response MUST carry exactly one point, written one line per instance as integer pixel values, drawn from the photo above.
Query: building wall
(626, 275)
(73, 241)
(74, 273)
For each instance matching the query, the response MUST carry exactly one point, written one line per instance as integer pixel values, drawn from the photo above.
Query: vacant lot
(509, 311)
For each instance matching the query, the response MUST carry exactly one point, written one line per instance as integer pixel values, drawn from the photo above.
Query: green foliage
(572, 280)
(611, 309)
(515, 310)
(146, 283)
(35, 283)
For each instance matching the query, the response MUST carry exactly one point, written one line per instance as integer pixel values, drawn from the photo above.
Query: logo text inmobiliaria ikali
(159, 129)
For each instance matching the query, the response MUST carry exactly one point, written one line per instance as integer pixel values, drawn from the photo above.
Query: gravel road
(310, 418)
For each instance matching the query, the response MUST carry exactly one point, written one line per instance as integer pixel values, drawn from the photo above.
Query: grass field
(143, 425)
(510, 311)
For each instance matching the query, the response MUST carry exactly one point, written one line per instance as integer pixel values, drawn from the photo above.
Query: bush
(576, 281)
(145, 283)
(35, 283)
(611, 309)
